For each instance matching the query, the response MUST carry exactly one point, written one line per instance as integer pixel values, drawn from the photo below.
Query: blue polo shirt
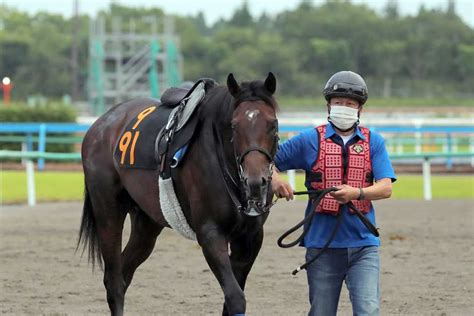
(301, 152)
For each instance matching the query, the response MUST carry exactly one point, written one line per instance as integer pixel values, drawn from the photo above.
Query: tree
(451, 8)
(301, 46)
(391, 9)
(200, 23)
(242, 16)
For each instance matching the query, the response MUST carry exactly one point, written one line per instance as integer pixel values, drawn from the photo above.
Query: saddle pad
(136, 146)
(172, 210)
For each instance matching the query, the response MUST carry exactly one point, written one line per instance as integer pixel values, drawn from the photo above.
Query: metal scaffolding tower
(125, 65)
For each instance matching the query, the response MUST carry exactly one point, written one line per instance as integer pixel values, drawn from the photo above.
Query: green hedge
(53, 112)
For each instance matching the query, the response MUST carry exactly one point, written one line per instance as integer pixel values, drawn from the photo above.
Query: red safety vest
(328, 171)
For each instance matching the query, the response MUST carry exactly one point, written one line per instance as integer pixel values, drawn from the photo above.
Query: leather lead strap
(364, 220)
(319, 194)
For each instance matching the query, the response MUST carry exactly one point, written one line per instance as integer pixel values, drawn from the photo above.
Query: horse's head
(255, 139)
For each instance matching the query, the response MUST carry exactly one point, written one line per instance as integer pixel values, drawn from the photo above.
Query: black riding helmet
(346, 84)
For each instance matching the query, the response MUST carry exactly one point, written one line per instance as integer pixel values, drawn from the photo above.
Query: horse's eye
(275, 127)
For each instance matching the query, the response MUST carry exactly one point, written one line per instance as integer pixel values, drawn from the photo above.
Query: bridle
(254, 207)
(239, 159)
(236, 187)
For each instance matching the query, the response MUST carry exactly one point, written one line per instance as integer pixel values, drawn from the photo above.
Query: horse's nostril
(264, 182)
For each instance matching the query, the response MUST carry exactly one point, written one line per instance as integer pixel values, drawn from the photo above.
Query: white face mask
(343, 117)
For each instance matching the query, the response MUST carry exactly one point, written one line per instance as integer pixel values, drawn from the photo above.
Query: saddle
(143, 143)
(174, 138)
(174, 95)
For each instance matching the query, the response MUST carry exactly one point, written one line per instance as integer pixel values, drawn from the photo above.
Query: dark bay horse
(223, 187)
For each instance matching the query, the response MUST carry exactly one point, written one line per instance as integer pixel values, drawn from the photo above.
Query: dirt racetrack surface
(427, 266)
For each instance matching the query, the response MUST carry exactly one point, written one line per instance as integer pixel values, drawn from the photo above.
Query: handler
(353, 159)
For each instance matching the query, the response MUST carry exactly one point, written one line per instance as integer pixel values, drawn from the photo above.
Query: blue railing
(42, 130)
(284, 128)
(39, 131)
(46, 127)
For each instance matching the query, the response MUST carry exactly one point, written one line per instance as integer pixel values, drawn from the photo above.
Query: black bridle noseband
(239, 159)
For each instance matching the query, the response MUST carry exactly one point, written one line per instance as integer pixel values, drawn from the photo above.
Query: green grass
(50, 186)
(69, 186)
(451, 187)
(392, 147)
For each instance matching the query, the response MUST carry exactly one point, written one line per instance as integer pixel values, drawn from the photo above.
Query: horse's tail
(88, 231)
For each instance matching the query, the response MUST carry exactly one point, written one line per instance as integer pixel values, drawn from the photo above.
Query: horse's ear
(270, 83)
(232, 85)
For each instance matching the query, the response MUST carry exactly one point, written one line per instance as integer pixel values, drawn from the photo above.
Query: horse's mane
(219, 104)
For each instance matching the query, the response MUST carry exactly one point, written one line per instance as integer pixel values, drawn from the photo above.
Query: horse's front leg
(215, 249)
(244, 250)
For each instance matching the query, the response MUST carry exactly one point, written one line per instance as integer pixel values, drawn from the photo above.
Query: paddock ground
(427, 259)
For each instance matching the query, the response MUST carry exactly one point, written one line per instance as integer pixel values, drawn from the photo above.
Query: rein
(316, 196)
(230, 184)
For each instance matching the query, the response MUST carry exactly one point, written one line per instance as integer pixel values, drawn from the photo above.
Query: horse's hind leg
(110, 211)
(141, 243)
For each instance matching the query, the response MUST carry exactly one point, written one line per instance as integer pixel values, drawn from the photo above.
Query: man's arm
(293, 154)
(382, 170)
(280, 187)
(381, 189)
